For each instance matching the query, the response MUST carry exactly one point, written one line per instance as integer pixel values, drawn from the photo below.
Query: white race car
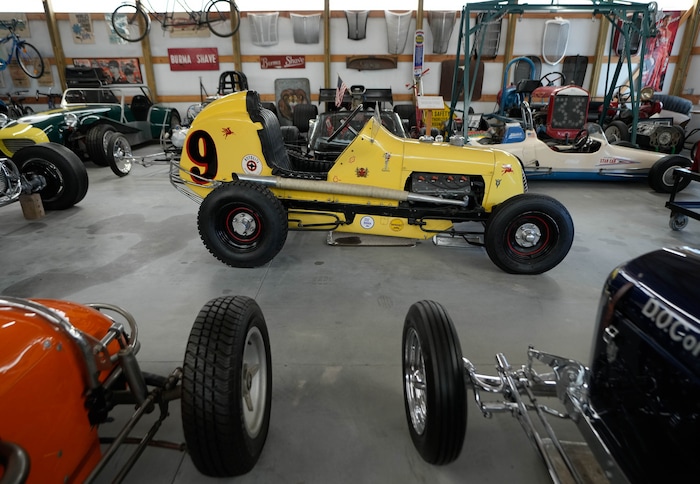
(589, 156)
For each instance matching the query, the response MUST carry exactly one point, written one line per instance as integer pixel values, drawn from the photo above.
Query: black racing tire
(617, 131)
(435, 396)
(119, 154)
(131, 23)
(694, 150)
(660, 176)
(227, 387)
(218, 14)
(175, 119)
(29, 60)
(65, 174)
(96, 143)
(529, 234)
(242, 224)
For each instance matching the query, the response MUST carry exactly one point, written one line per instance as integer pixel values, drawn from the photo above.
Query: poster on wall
(81, 27)
(658, 50)
(116, 70)
(113, 37)
(22, 28)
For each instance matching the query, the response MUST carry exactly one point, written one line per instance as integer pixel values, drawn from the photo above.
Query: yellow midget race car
(253, 190)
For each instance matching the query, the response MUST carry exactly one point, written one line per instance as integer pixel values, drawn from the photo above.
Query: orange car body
(44, 389)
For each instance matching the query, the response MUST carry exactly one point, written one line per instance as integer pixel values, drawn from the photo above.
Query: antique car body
(88, 116)
(49, 169)
(252, 191)
(637, 404)
(65, 366)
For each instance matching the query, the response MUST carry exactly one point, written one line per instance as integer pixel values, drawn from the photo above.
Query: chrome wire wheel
(414, 382)
(119, 154)
(434, 386)
(254, 382)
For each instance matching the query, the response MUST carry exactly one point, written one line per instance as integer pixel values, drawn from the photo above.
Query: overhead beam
(59, 58)
(690, 37)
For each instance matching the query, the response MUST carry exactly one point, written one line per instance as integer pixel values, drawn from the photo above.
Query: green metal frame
(628, 12)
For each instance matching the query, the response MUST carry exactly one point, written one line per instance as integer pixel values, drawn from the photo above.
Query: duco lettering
(676, 327)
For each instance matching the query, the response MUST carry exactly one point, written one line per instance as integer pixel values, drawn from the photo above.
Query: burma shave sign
(196, 59)
(282, 61)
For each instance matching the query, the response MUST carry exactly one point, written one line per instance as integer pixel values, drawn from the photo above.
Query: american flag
(340, 92)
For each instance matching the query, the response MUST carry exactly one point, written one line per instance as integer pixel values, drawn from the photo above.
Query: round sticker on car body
(367, 222)
(251, 165)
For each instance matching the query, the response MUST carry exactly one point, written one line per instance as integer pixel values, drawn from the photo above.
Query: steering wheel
(581, 139)
(552, 77)
(624, 93)
(346, 124)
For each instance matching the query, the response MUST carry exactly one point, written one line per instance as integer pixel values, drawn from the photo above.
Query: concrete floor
(335, 316)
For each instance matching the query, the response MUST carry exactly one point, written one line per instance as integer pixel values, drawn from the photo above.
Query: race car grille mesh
(14, 145)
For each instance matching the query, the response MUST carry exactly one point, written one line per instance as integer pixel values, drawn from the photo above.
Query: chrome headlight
(70, 120)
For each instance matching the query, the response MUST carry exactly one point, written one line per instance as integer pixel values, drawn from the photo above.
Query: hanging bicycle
(132, 21)
(28, 58)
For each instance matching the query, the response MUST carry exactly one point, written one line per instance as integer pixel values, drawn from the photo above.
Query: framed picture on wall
(119, 70)
(81, 28)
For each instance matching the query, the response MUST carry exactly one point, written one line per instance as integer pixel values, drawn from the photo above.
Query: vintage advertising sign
(194, 59)
(282, 61)
(418, 54)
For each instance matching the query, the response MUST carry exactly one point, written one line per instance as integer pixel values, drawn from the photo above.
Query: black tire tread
(443, 438)
(263, 195)
(69, 165)
(655, 177)
(506, 211)
(211, 387)
(94, 144)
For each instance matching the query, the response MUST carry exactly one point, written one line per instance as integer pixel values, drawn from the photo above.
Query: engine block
(447, 185)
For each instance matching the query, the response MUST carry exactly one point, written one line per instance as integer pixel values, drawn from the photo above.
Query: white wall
(528, 41)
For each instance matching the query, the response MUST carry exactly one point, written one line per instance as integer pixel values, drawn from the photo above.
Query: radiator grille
(14, 145)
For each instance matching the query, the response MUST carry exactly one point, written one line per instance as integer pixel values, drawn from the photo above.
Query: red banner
(195, 59)
(282, 61)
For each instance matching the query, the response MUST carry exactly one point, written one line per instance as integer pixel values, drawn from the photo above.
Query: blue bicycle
(28, 58)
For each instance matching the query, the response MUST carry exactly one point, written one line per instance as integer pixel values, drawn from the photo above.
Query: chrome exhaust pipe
(347, 189)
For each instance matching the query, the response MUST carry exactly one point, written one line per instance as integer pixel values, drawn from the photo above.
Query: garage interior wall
(182, 88)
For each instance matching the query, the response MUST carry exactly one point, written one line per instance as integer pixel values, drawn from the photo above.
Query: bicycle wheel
(223, 18)
(29, 59)
(130, 22)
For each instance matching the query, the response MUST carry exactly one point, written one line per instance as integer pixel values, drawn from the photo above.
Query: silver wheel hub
(254, 377)
(122, 156)
(528, 235)
(414, 382)
(243, 224)
(667, 178)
